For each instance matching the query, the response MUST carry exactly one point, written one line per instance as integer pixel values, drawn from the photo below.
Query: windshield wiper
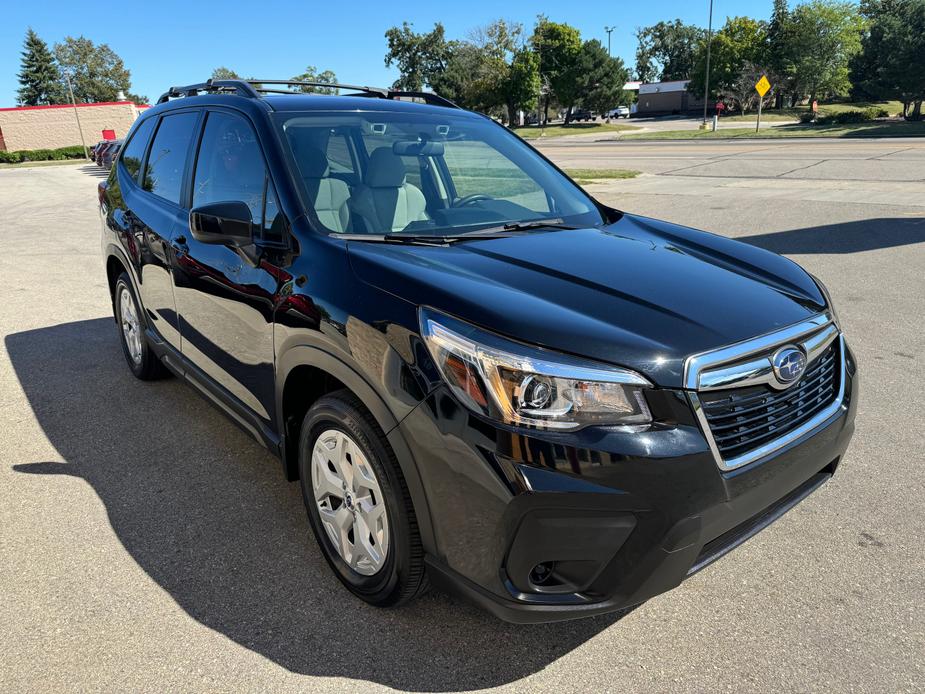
(556, 223)
(420, 239)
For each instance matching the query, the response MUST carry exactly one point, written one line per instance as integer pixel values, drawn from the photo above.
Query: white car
(619, 112)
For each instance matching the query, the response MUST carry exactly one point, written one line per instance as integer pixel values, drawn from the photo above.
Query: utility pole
(706, 87)
(67, 78)
(609, 31)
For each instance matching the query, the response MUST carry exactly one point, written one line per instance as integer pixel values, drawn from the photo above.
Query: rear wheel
(143, 363)
(358, 503)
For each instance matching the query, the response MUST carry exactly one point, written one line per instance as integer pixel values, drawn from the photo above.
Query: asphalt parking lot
(147, 543)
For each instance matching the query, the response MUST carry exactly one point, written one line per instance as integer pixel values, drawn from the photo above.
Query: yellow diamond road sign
(763, 86)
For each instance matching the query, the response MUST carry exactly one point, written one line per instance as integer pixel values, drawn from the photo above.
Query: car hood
(639, 293)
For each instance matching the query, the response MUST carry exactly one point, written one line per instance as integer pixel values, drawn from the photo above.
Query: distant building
(50, 127)
(667, 98)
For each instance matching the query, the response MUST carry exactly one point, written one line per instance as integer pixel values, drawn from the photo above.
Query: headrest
(386, 169)
(312, 162)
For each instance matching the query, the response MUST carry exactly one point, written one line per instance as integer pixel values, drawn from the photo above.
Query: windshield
(425, 174)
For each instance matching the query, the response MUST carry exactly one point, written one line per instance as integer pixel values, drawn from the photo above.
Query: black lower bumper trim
(445, 578)
(725, 543)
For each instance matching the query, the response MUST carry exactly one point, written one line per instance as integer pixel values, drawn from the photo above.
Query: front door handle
(179, 245)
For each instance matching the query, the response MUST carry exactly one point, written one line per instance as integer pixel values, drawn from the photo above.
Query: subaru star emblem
(789, 364)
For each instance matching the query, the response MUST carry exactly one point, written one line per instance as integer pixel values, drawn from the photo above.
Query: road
(847, 161)
(147, 544)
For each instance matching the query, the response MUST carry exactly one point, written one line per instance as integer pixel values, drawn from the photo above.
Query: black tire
(401, 576)
(148, 367)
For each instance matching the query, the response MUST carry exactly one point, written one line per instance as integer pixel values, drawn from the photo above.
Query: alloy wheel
(350, 502)
(131, 328)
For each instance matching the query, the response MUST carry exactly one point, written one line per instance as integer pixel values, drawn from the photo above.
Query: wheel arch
(307, 373)
(116, 264)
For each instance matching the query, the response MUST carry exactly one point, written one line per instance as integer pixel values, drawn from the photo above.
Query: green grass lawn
(872, 129)
(766, 116)
(530, 132)
(584, 176)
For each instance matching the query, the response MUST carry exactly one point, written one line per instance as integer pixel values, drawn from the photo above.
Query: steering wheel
(469, 199)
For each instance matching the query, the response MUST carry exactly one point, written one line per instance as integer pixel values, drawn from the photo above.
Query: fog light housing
(542, 573)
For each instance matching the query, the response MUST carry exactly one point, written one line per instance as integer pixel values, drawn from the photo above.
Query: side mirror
(227, 223)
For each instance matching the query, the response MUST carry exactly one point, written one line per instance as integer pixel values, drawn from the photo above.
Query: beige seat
(387, 202)
(329, 196)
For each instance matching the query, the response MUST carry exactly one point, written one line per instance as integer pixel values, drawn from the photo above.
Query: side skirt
(214, 393)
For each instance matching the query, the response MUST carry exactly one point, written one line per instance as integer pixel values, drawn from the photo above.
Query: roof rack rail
(376, 92)
(210, 86)
(427, 97)
(258, 85)
(254, 88)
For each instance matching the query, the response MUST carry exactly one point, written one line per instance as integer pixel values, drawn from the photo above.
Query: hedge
(845, 117)
(75, 152)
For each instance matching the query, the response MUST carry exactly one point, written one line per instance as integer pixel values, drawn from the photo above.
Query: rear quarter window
(134, 152)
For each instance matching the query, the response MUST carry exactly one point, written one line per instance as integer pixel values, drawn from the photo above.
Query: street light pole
(706, 87)
(67, 78)
(609, 30)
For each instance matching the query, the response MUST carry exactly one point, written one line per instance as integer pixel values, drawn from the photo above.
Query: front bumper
(616, 517)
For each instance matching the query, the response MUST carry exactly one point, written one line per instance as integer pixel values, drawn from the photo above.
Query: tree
(666, 51)
(136, 98)
(39, 78)
(311, 74)
(741, 90)
(600, 78)
(777, 48)
(97, 73)
(459, 80)
(742, 41)
(420, 58)
(507, 73)
(225, 73)
(891, 64)
(558, 47)
(822, 37)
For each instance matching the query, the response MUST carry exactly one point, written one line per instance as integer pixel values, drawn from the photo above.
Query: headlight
(519, 384)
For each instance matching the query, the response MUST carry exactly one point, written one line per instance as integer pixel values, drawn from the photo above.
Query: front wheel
(358, 503)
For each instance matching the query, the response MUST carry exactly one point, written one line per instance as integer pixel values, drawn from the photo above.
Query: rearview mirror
(416, 148)
(227, 223)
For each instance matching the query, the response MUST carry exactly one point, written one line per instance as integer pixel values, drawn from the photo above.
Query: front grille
(742, 419)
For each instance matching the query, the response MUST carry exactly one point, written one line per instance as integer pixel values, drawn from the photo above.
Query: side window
(477, 168)
(230, 165)
(167, 160)
(134, 151)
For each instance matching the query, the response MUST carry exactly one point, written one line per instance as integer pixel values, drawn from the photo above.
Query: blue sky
(168, 42)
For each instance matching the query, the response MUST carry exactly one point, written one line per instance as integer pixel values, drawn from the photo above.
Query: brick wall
(49, 127)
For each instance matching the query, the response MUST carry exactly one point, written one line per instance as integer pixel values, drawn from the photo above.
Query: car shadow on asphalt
(844, 237)
(205, 511)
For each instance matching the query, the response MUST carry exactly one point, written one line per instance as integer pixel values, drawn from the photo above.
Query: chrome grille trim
(759, 372)
(743, 365)
(695, 364)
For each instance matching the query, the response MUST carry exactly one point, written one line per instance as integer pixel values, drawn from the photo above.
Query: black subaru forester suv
(483, 378)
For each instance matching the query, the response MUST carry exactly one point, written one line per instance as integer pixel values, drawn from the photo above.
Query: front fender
(350, 376)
